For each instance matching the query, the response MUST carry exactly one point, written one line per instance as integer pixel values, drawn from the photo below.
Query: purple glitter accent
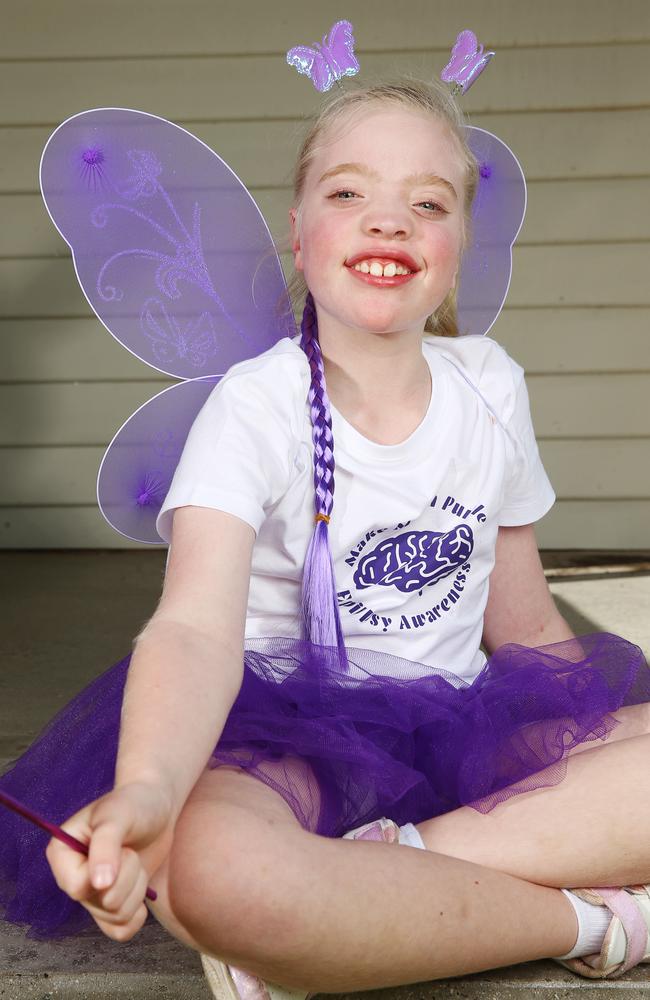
(485, 170)
(92, 171)
(152, 490)
(92, 157)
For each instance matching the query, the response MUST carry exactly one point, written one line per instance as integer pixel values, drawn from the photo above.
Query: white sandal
(230, 983)
(627, 941)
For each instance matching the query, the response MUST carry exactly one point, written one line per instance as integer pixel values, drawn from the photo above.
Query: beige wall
(568, 90)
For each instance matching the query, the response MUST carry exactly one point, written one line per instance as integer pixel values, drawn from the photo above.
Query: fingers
(123, 932)
(70, 869)
(111, 822)
(120, 904)
(111, 881)
(119, 910)
(105, 854)
(122, 899)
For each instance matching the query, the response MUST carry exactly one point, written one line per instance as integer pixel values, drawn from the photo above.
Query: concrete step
(153, 966)
(90, 965)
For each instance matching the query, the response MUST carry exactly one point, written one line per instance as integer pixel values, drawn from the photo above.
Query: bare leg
(250, 886)
(589, 830)
(334, 915)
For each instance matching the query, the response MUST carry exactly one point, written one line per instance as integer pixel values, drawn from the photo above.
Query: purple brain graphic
(415, 559)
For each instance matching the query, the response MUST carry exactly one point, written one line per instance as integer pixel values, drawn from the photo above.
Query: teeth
(379, 270)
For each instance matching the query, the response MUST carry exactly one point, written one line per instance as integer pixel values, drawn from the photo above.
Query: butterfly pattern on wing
(467, 62)
(327, 61)
(196, 341)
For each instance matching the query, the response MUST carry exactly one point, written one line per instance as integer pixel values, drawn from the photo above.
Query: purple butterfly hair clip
(468, 60)
(327, 61)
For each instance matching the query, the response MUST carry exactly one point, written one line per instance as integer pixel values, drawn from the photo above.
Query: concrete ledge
(152, 964)
(94, 986)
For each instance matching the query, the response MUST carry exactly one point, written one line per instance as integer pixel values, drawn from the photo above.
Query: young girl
(269, 767)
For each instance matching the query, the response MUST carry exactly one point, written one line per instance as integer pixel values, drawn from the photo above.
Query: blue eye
(436, 207)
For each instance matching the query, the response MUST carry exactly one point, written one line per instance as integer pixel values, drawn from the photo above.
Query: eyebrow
(360, 168)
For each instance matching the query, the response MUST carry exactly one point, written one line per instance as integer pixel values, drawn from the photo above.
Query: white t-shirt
(414, 524)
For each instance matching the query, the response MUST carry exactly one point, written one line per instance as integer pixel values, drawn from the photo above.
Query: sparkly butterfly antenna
(325, 62)
(467, 62)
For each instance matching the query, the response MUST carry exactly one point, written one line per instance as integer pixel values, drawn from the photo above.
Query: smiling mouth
(382, 268)
(376, 274)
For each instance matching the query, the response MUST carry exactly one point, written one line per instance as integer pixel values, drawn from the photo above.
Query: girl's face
(388, 187)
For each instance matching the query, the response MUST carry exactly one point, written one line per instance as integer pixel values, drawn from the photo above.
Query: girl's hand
(129, 832)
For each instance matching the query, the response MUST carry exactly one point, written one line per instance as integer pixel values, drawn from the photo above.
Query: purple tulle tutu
(387, 738)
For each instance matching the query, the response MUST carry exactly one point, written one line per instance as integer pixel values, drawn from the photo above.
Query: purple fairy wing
(176, 260)
(139, 463)
(497, 215)
(160, 226)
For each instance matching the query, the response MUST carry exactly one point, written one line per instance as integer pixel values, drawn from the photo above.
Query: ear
(295, 239)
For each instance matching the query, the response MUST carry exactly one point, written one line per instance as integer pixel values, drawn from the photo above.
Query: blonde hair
(430, 98)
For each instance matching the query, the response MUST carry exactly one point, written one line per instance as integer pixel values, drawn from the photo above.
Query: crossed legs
(246, 883)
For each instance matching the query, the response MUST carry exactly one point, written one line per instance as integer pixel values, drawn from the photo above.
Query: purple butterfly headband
(325, 62)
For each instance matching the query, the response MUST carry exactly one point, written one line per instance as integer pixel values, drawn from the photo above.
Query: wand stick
(54, 831)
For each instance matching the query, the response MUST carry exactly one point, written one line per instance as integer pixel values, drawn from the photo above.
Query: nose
(388, 220)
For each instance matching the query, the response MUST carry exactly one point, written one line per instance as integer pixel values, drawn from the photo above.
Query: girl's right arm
(188, 661)
(184, 676)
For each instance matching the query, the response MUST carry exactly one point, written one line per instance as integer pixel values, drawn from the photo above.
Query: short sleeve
(528, 493)
(239, 452)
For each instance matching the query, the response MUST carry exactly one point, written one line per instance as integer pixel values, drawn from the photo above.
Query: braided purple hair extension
(320, 612)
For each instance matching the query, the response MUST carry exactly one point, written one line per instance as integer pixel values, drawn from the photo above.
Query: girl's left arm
(520, 606)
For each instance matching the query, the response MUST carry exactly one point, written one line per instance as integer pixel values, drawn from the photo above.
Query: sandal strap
(622, 905)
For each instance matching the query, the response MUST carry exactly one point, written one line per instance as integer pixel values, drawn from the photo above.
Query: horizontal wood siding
(569, 90)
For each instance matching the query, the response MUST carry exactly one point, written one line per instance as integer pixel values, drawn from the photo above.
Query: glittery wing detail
(467, 62)
(328, 60)
(340, 49)
(176, 260)
(497, 215)
(312, 63)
